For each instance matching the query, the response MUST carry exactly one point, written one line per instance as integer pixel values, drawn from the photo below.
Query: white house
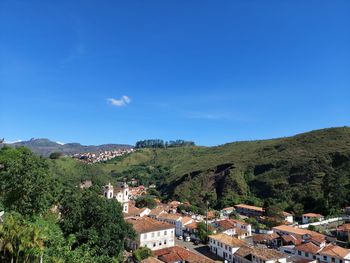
(152, 233)
(233, 227)
(119, 192)
(225, 246)
(334, 254)
(288, 217)
(311, 217)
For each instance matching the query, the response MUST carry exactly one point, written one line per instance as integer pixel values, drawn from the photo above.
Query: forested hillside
(309, 171)
(48, 218)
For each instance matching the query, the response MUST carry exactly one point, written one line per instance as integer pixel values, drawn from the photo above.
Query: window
(152, 234)
(164, 242)
(154, 244)
(158, 234)
(325, 257)
(306, 254)
(299, 253)
(226, 247)
(165, 233)
(145, 236)
(333, 259)
(160, 243)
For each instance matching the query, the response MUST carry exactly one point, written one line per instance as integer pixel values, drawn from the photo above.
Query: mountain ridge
(45, 147)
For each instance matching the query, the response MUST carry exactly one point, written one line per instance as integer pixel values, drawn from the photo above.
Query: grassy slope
(277, 168)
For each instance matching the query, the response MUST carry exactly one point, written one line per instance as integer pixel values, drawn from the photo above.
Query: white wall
(158, 239)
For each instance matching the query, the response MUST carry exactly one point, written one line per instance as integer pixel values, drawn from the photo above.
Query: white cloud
(61, 143)
(123, 101)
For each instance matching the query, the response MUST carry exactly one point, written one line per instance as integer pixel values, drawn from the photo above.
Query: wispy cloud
(123, 101)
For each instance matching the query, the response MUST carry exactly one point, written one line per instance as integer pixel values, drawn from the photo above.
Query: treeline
(157, 143)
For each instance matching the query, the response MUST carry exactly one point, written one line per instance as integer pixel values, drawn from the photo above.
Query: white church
(119, 192)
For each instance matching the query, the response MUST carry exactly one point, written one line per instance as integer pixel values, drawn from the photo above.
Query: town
(174, 235)
(95, 157)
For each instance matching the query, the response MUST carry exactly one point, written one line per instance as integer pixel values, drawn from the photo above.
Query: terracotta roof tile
(176, 253)
(146, 224)
(335, 251)
(308, 247)
(228, 240)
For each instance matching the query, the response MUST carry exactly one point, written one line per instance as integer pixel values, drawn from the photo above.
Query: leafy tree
(25, 182)
(55, 155)
(153, 192)
(96, 222)
(142, 253)
(202, 232)
(21, 241)
(146, 201)
(311, 227)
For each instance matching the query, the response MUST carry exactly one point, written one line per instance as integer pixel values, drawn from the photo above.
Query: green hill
(309, 171)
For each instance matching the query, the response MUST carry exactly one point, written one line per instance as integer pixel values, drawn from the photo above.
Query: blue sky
(210, 71)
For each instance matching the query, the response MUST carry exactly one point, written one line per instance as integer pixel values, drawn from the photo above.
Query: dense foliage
(48, 217)
(157, 143)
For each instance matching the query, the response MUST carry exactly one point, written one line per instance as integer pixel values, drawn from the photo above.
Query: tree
(142, 253)
(25, 182)
(55, 155)
(96, 222)
(202, 232)
(146, 201)
(22, 241)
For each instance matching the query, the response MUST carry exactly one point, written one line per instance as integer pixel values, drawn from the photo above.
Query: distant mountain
(45, 147)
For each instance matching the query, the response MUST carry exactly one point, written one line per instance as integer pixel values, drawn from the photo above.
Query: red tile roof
(147, 224)
(176, 253)
(308, 247)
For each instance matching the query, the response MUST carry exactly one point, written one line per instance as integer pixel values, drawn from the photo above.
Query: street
(199, 249)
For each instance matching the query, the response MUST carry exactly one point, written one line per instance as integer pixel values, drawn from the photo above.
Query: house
(181, 224)
(256, 211)
(247, 254)
(119, 192)
(307, 250)
(156, 212)
(334, 254)
(225, 212)
(178, 254)
(288, 217)
(152, 234)
(151, 260)
(249, 210)
(343, 231)
(134, 211)
(225, 246)
(302, 234)
(311, 217)
(233, 227)
(269, 240)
